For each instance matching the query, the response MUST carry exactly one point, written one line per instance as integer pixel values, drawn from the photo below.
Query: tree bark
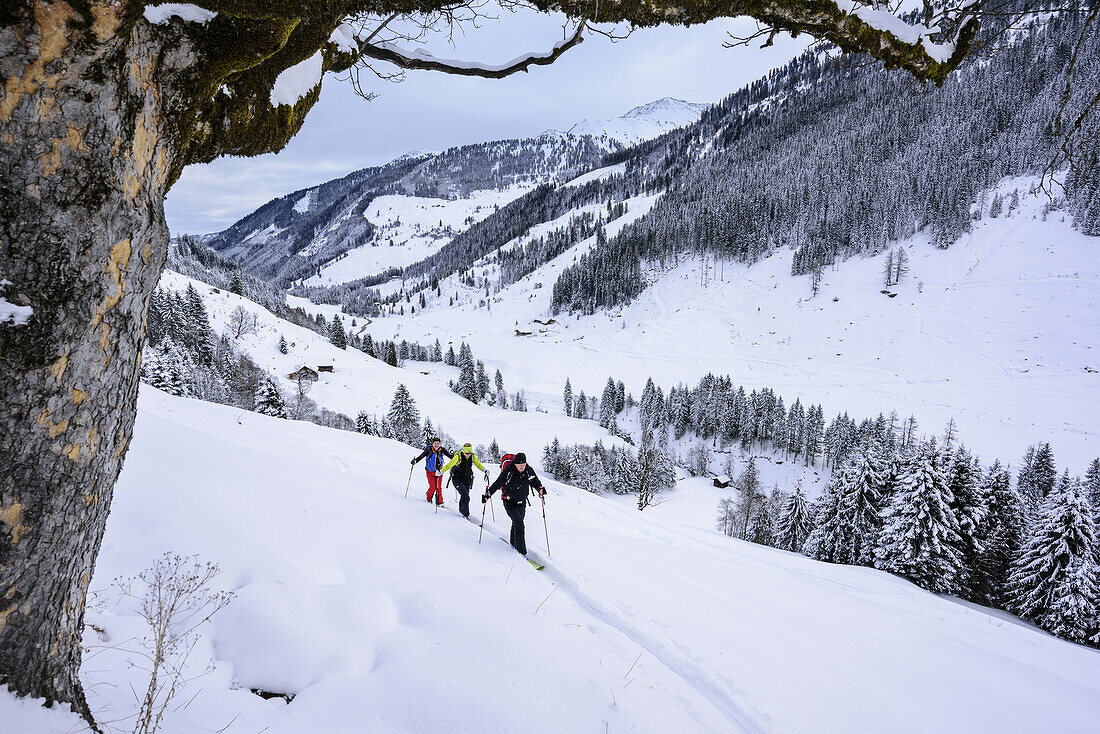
(83, 172)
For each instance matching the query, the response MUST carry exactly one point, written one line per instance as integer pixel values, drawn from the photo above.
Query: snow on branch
(297, 81)
(163, 13)
(422, 60)
(881, 18)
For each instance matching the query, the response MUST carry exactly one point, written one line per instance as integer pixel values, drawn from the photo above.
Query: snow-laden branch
(881, 18)
(422, 60)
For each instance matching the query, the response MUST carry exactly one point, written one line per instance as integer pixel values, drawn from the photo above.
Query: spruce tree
(467, 375)
(607, 404)
(428, 432)
(920, 534)
(1002, 533)
(795, 523)
(762, 531)
(968, 503)
(336, 333)
(1092, 485)
(825, 540)
(363, 423)
(481, 380)
(567, 397)
(235, 284)
(1054, 580)
(403, 419)
(269, 401)
(1044, 472)
(282, 345)
(450, 358)
(494, 451)
(581, 409)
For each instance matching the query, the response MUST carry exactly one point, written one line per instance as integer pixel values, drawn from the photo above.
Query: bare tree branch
(413, 60)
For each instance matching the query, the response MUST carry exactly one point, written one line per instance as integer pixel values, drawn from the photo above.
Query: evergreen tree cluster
(930, 513)
(598, 469)
(184, 357)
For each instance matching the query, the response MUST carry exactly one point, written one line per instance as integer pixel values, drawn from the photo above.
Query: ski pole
(491, 508)
(482, 531)
(409, 483)
(542, 496)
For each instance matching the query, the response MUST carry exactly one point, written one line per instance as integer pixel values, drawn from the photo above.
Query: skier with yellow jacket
(461, 467)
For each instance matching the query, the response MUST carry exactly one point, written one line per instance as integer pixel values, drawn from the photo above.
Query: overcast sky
(428, 110)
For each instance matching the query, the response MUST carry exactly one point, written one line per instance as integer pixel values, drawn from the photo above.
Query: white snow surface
(995, 332)
(642, 123)
(345, 39)
(297, 81)
(381, 614)
(162, 14)
(14, 315)
(417, 226)
(302, 205)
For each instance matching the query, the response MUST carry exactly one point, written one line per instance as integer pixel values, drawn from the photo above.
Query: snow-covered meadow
(380, 614)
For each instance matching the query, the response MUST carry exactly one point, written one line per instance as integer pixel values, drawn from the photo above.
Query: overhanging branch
(424, 62)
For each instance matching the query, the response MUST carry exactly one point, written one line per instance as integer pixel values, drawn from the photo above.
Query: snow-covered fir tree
(1054, 580)
(1092, 483)
(336, 333)
(466, 386)
(920, 533)
(269, 401)
(607, 403)
(567, 397)
(762, 528)
(1002, 533)
(968, 503)
(795, 522)
(403, 418)
(282, 345)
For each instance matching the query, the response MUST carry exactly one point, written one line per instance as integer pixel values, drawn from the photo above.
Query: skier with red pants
(433, 467)
(515, 483)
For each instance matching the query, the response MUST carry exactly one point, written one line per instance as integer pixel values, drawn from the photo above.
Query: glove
(412, 463)
(542, 492)
(484, 498)
(438, 473)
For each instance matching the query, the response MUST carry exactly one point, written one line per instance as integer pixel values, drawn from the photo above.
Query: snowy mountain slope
(381, 614)
(992, 332)
(642, 123)
(291, 238)
(409, 228)
(362, 383)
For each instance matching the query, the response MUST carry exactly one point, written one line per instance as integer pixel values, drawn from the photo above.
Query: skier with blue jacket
(433, 467)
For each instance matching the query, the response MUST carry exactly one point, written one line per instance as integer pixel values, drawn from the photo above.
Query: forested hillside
(831, 159)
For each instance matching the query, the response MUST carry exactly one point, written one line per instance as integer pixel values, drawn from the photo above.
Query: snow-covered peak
(668, 109)
(642, 123)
